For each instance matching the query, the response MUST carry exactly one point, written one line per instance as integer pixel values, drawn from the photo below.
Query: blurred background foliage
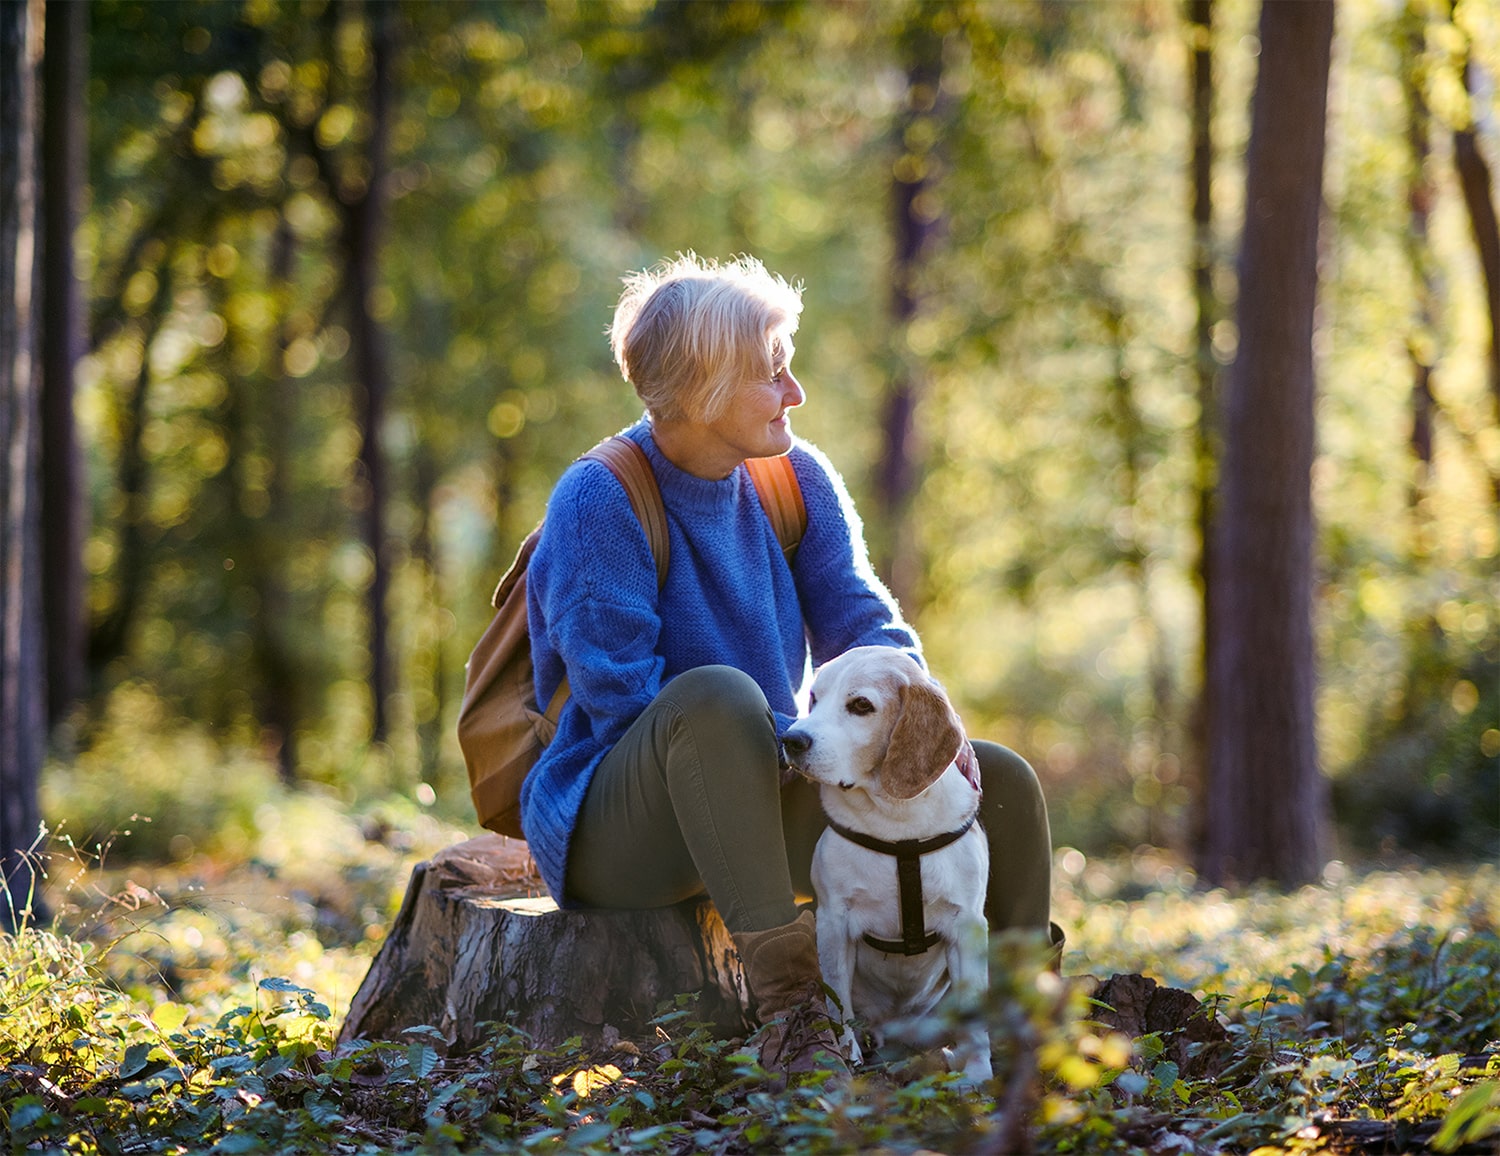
(522, 156)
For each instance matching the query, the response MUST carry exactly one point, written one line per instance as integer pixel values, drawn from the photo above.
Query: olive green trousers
(690, 801)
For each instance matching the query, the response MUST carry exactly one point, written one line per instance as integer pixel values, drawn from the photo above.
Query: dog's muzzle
(793, 746)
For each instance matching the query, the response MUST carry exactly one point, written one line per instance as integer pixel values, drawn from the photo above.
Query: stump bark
(478, 940)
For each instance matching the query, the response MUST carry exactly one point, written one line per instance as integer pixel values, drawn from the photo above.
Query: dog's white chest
(859, 892)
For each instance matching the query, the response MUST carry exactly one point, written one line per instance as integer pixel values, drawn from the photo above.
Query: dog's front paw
(972, 1065)
(851, 1046)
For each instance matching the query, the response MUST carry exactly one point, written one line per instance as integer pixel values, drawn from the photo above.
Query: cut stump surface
(477, 940)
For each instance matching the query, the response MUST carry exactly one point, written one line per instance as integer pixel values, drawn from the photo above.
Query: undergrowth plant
(1384, 1036)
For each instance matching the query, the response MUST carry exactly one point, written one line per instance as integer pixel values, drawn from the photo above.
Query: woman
(662, 782)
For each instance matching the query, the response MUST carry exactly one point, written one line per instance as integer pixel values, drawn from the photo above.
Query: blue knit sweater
(729, 599)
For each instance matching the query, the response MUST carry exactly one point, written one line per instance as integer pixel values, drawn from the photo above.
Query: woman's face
(757, 422)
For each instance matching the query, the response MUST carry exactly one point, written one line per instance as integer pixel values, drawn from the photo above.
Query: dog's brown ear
(924, 741)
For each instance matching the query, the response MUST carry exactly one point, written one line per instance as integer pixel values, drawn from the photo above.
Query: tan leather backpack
(501, 728)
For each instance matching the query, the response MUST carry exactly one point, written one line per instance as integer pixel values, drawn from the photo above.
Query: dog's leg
(969, 971)
(836, 957)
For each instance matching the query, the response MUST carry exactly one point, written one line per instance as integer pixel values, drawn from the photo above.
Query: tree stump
(478, 940)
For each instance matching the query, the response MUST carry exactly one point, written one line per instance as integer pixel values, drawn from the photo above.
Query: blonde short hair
(689, 331)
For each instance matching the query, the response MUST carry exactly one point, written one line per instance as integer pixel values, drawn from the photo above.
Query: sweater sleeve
(844, 603)
(592, 598)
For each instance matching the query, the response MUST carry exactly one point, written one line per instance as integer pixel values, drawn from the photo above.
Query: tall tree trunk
(1422, 341)
(276, 670)
(1266, 797)
(915, 226)
(1479, 199)
(110, 635)
(22, 659)
(64, 341)
(428, 714)
(256, 416)
(364, 231)
(1207, 440)
(1130, 429)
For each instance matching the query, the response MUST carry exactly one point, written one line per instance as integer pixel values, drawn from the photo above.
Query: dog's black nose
(796, 745)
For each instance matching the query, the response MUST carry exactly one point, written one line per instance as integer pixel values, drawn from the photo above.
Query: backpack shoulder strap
(628, 462)
(781, 497)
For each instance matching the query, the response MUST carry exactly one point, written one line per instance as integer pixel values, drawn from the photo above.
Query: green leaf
(655, 1132)
(134, 1060)
(324, 1113)
(1475, 1116)
(229, 1065)
(277, 984)
(238, 1142)
(27, 1111)
(168, 1017)
(423, 1059)
(591, 1133)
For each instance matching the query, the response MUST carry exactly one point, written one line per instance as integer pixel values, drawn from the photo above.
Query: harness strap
(915, 938)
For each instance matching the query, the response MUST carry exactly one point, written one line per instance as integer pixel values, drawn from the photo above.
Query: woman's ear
(923, 742)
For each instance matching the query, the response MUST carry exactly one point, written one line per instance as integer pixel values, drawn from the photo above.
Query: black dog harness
(915, 938)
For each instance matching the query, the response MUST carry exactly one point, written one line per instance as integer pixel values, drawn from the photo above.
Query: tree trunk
(22, 672)
(364, 228)
(109, 637)
(276, 669)
(1208, 436)
(1129, 427)
(428, 707)
(1266, 798)
(915, 225)
(1479, 199)
(1421, 343)
(64, 341)
(474, 944)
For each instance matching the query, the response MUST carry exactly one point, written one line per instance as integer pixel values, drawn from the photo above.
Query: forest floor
(193, 1007)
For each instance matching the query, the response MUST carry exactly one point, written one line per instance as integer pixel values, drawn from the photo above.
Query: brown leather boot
(1055, 949)
(781, 971)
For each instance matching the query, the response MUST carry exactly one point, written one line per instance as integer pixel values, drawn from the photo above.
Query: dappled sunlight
(586, 1081)
(1221, 943)
(533, 156)
(223, 876)
(214, 1003)
(341, 276)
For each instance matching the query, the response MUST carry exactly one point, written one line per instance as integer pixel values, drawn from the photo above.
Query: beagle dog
(901, 870)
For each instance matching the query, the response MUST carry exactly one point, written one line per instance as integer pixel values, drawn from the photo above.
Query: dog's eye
(812, 701)
(861, 705)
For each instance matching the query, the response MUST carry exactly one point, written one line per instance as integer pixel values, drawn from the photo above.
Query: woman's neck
(694, 449)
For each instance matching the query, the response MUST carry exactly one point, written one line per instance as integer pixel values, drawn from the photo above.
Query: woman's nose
(794, 394)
